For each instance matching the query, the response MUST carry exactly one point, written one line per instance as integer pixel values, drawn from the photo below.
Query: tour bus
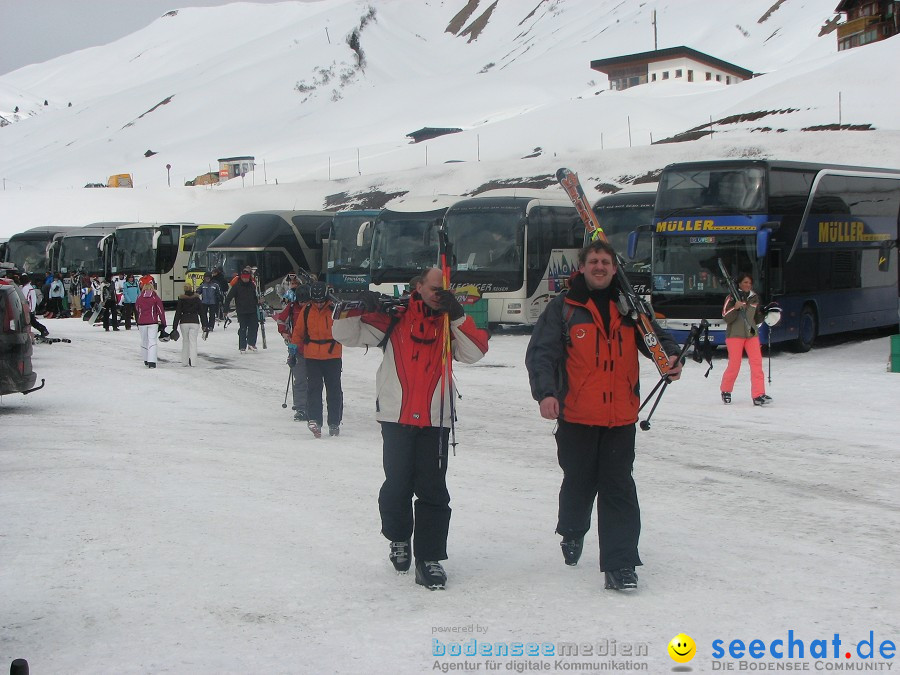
(85, 249)
(155, 249)
(518, 247)
(276, 243)
(349, 246)
(819, 240)
(404, 240)
(35, 251)
(619, 215)
(200, 260)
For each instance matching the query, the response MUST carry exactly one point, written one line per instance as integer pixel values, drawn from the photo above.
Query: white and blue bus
(404, 240)
(85, 249)
(518, 247)
(818, 239)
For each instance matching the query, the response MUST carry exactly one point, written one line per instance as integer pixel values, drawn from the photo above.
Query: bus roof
(420, 204)
(773, 164)
(630, 196)
(526, 193)
(134, 226)
(266, 226)
(41, 232)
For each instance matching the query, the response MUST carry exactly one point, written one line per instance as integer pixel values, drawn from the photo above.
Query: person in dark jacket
(189, 315)
(219, 277)
(110, 314)
(246, 300)
(211, 297)
(583, 368)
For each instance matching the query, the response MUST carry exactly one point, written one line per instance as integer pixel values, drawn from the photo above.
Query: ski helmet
(318, 291)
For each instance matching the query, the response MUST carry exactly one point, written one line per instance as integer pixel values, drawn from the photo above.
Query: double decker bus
(85, 249)
(518, 247)
(348, 251)
(36, 251)
(619, 215)
(404, 240)
(818, 239)
(275, 243)
(200, 260)
(152, 248)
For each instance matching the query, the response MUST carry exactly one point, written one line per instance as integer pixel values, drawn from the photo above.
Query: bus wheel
(808, 330)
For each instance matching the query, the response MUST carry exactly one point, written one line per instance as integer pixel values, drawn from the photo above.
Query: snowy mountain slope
(290, 84)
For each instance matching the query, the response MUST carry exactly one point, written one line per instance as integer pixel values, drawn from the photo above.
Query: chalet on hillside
(233, 167)
(867, 21)
(672, 63)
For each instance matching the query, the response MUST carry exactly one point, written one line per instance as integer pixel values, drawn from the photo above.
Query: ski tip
(562, 172)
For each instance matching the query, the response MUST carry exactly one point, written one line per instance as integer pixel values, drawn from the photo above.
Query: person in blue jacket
(130, 292)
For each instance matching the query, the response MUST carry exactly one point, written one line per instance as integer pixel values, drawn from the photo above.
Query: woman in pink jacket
(151, 317)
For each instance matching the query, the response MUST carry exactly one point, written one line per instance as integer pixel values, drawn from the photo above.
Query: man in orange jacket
(582, 363)
(312, 336)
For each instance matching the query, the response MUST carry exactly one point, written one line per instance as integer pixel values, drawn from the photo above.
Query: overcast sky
(33, 31)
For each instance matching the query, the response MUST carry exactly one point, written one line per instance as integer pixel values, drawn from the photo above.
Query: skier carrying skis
(583, 368)
(739, 338)
(312, 335)
(246, 300)
(415, 432)
(286, 319)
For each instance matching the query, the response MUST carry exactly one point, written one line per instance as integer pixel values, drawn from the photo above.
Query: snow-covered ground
(179, 521)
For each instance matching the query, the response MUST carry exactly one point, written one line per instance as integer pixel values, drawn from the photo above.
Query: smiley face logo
(682, 648)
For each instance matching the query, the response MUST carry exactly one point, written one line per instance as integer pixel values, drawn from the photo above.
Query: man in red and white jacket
(408, 406)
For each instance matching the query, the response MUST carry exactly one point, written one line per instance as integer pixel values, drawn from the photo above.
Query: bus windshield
(81, 253)
(403, 244)
(200, 258)
(618, 220)
(724, 189)
(686, 269)
(344, 253)
(133, 252)
(485, 239)
(29, 255)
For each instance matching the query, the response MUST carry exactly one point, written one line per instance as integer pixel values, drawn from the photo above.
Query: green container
(478, 310)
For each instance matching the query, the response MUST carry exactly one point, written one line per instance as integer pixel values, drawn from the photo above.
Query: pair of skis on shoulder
(637, 308)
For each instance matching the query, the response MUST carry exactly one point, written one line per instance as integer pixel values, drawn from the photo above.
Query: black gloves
(448, 303)
(369, 300)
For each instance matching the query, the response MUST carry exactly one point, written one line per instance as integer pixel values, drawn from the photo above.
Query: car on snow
(16, 374)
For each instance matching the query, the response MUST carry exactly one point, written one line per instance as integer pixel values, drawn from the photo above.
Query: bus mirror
(361, 233)
(102, 243)
(322, 231)
(156, 236)
(633, 237)
(762, 242)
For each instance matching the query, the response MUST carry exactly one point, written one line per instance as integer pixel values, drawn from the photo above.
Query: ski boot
(571, 550)
(431, 575)
(399, 556)
(334, 429)
(300, 416)
(315, 428)
(726, 397)
(761, 400)
(624, 579)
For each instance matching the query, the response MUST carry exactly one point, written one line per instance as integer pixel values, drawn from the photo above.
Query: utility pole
(654, 31)
(169, 174)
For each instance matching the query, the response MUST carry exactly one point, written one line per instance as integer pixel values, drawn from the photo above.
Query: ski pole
(664, 381)
(287, 388)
